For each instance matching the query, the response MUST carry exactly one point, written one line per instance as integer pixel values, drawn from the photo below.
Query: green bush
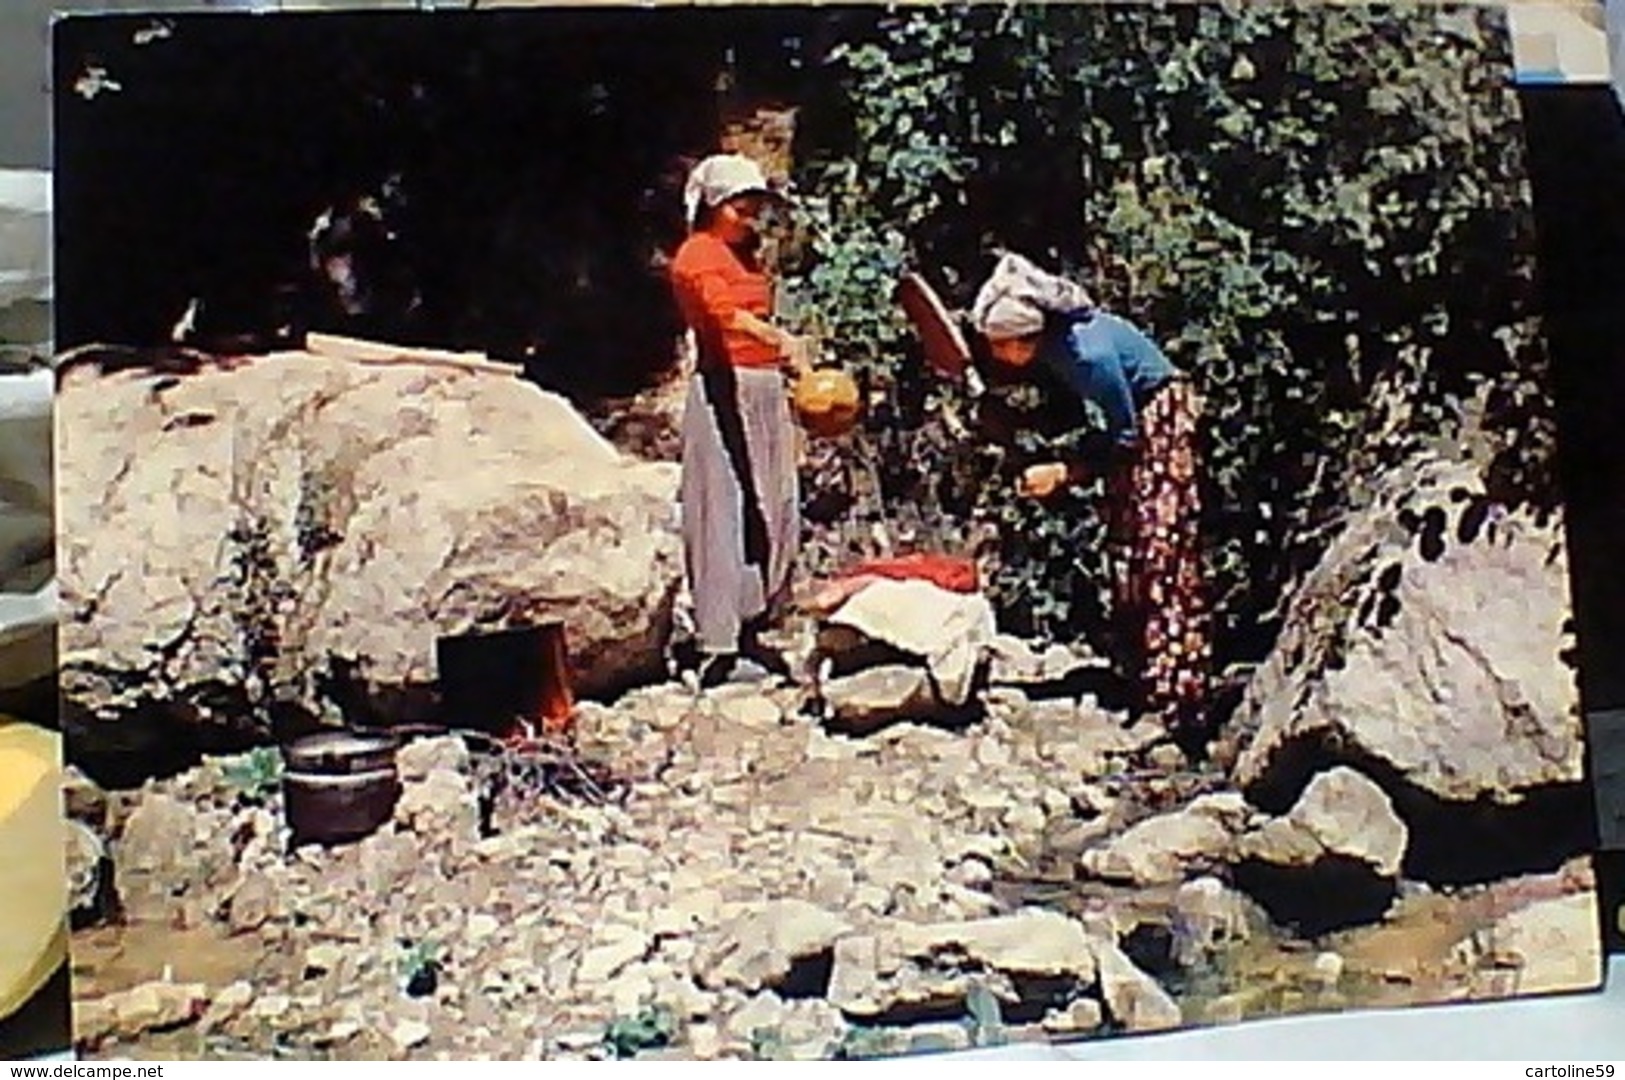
(1321, 212)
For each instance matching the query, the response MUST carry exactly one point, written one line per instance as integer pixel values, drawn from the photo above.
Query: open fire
(513, 685)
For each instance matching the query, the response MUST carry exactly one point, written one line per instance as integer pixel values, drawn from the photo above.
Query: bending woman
(1153, 501)
(740, 496)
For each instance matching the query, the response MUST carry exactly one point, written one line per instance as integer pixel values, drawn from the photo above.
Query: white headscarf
(719, 178)
(1015, 299)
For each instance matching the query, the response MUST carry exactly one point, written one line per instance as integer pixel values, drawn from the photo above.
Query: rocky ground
(768, 888)
(939, 836)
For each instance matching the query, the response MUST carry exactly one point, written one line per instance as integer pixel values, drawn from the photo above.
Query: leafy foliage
(652, 1029)
(1319, 211)
(256, 775)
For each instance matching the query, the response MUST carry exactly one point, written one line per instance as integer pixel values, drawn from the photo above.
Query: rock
(617, 947)
(323, 958)
(704, 1041)
(1013, 662)
(911, 964)
(1341, 813)
(419, 759)
(409, 1034)
(82, 799)
(515, 512)
(750, 710)
(231, 1002)
(1208, 914)
(879, 696)
(1556, 943)
(1331, 861)
(481, 926)
(86, 867)
(759, 948)
(128, 1014)
(949, 631)
(441, 806)
(253, 902)
(387, 858)
(1165, 849)
(271, 1006)
(1083, 1015)
(1168, 758)
(1133, 998)
(165, 856)
(762, 1013)
(1439, 653)
(1328, 968)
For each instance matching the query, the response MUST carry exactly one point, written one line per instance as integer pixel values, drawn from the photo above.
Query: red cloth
(943, 571)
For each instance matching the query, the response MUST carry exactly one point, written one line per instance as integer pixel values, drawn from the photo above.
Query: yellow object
(826, 402)
(33, 874)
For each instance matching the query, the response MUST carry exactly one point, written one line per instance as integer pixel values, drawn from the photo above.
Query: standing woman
(740, 496)
(1153, 500)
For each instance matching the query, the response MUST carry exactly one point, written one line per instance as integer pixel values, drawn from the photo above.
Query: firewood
(375, 352)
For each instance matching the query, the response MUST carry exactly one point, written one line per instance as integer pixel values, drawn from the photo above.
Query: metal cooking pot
(334, 753)
(339, 786)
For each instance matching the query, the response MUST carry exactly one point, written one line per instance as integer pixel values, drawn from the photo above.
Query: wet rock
(1328, 968)
(1554, 943)
(1331, 861)
(761, 947)
(1208, 914)
(1133, 998)
(1341, 813)
(153, 1006)
(928, 968)
(1083, 1015)
(1168, 848)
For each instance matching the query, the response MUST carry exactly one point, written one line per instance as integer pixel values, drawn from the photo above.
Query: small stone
(1329, 968)
(603, 961)
(1168, 758)
(751, 711)
(704, 1041)
(481, 926)
(1026, 818)
(272, 1006)
(230, 1002)
(341, 1031)
(254, 902)
(409, 1033)
(323, 958)
(419, 759)
(1083, 1014)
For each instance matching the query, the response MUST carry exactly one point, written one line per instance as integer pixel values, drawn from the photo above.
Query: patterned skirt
(1154, 509)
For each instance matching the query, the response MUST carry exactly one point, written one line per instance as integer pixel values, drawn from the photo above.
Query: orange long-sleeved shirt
(712, 283)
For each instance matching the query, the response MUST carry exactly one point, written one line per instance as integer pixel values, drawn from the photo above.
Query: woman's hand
(798, 353)
(1042, 481)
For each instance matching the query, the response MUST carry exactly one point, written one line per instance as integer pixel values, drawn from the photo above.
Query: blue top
(1110, 363)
